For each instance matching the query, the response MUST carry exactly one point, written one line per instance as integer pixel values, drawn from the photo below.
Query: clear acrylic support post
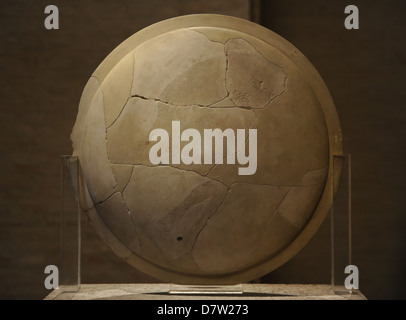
(340, 222)
(69, 280)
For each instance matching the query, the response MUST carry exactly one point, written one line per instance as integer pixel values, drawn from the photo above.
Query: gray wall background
(42, 75)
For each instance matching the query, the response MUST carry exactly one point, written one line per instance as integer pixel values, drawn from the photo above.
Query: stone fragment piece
(93, 156)
(90, 89)
(292, 140)
(314, 177)
(115, 214)
(177, 231)
(116, 89)
(229, 241)
(225, 103)
(296, 214)
(122, 174)
(193, 75)
(124, 147)
(171, 217)
(252, 80)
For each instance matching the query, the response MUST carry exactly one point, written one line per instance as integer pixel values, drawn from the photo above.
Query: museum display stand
(70, 260)
(70, 223)
(340, 224)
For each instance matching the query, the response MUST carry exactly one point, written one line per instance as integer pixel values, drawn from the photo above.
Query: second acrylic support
(70, 264)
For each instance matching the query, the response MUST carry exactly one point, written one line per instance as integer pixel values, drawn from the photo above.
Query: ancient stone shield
(206, 146)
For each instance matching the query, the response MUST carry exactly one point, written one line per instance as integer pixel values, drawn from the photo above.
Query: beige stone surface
(162, 71)
(239, 226)
(252, 80)
(122, 173)
(115, 214)
(173, 222)
(127, 148)
(93, 156)
(205, 223)
(299, 147)
(116, 89)
(91, 88)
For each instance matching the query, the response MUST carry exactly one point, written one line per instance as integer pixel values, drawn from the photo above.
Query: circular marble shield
(206, 145)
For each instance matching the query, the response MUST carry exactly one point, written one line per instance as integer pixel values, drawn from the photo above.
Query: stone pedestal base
(161, 292)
